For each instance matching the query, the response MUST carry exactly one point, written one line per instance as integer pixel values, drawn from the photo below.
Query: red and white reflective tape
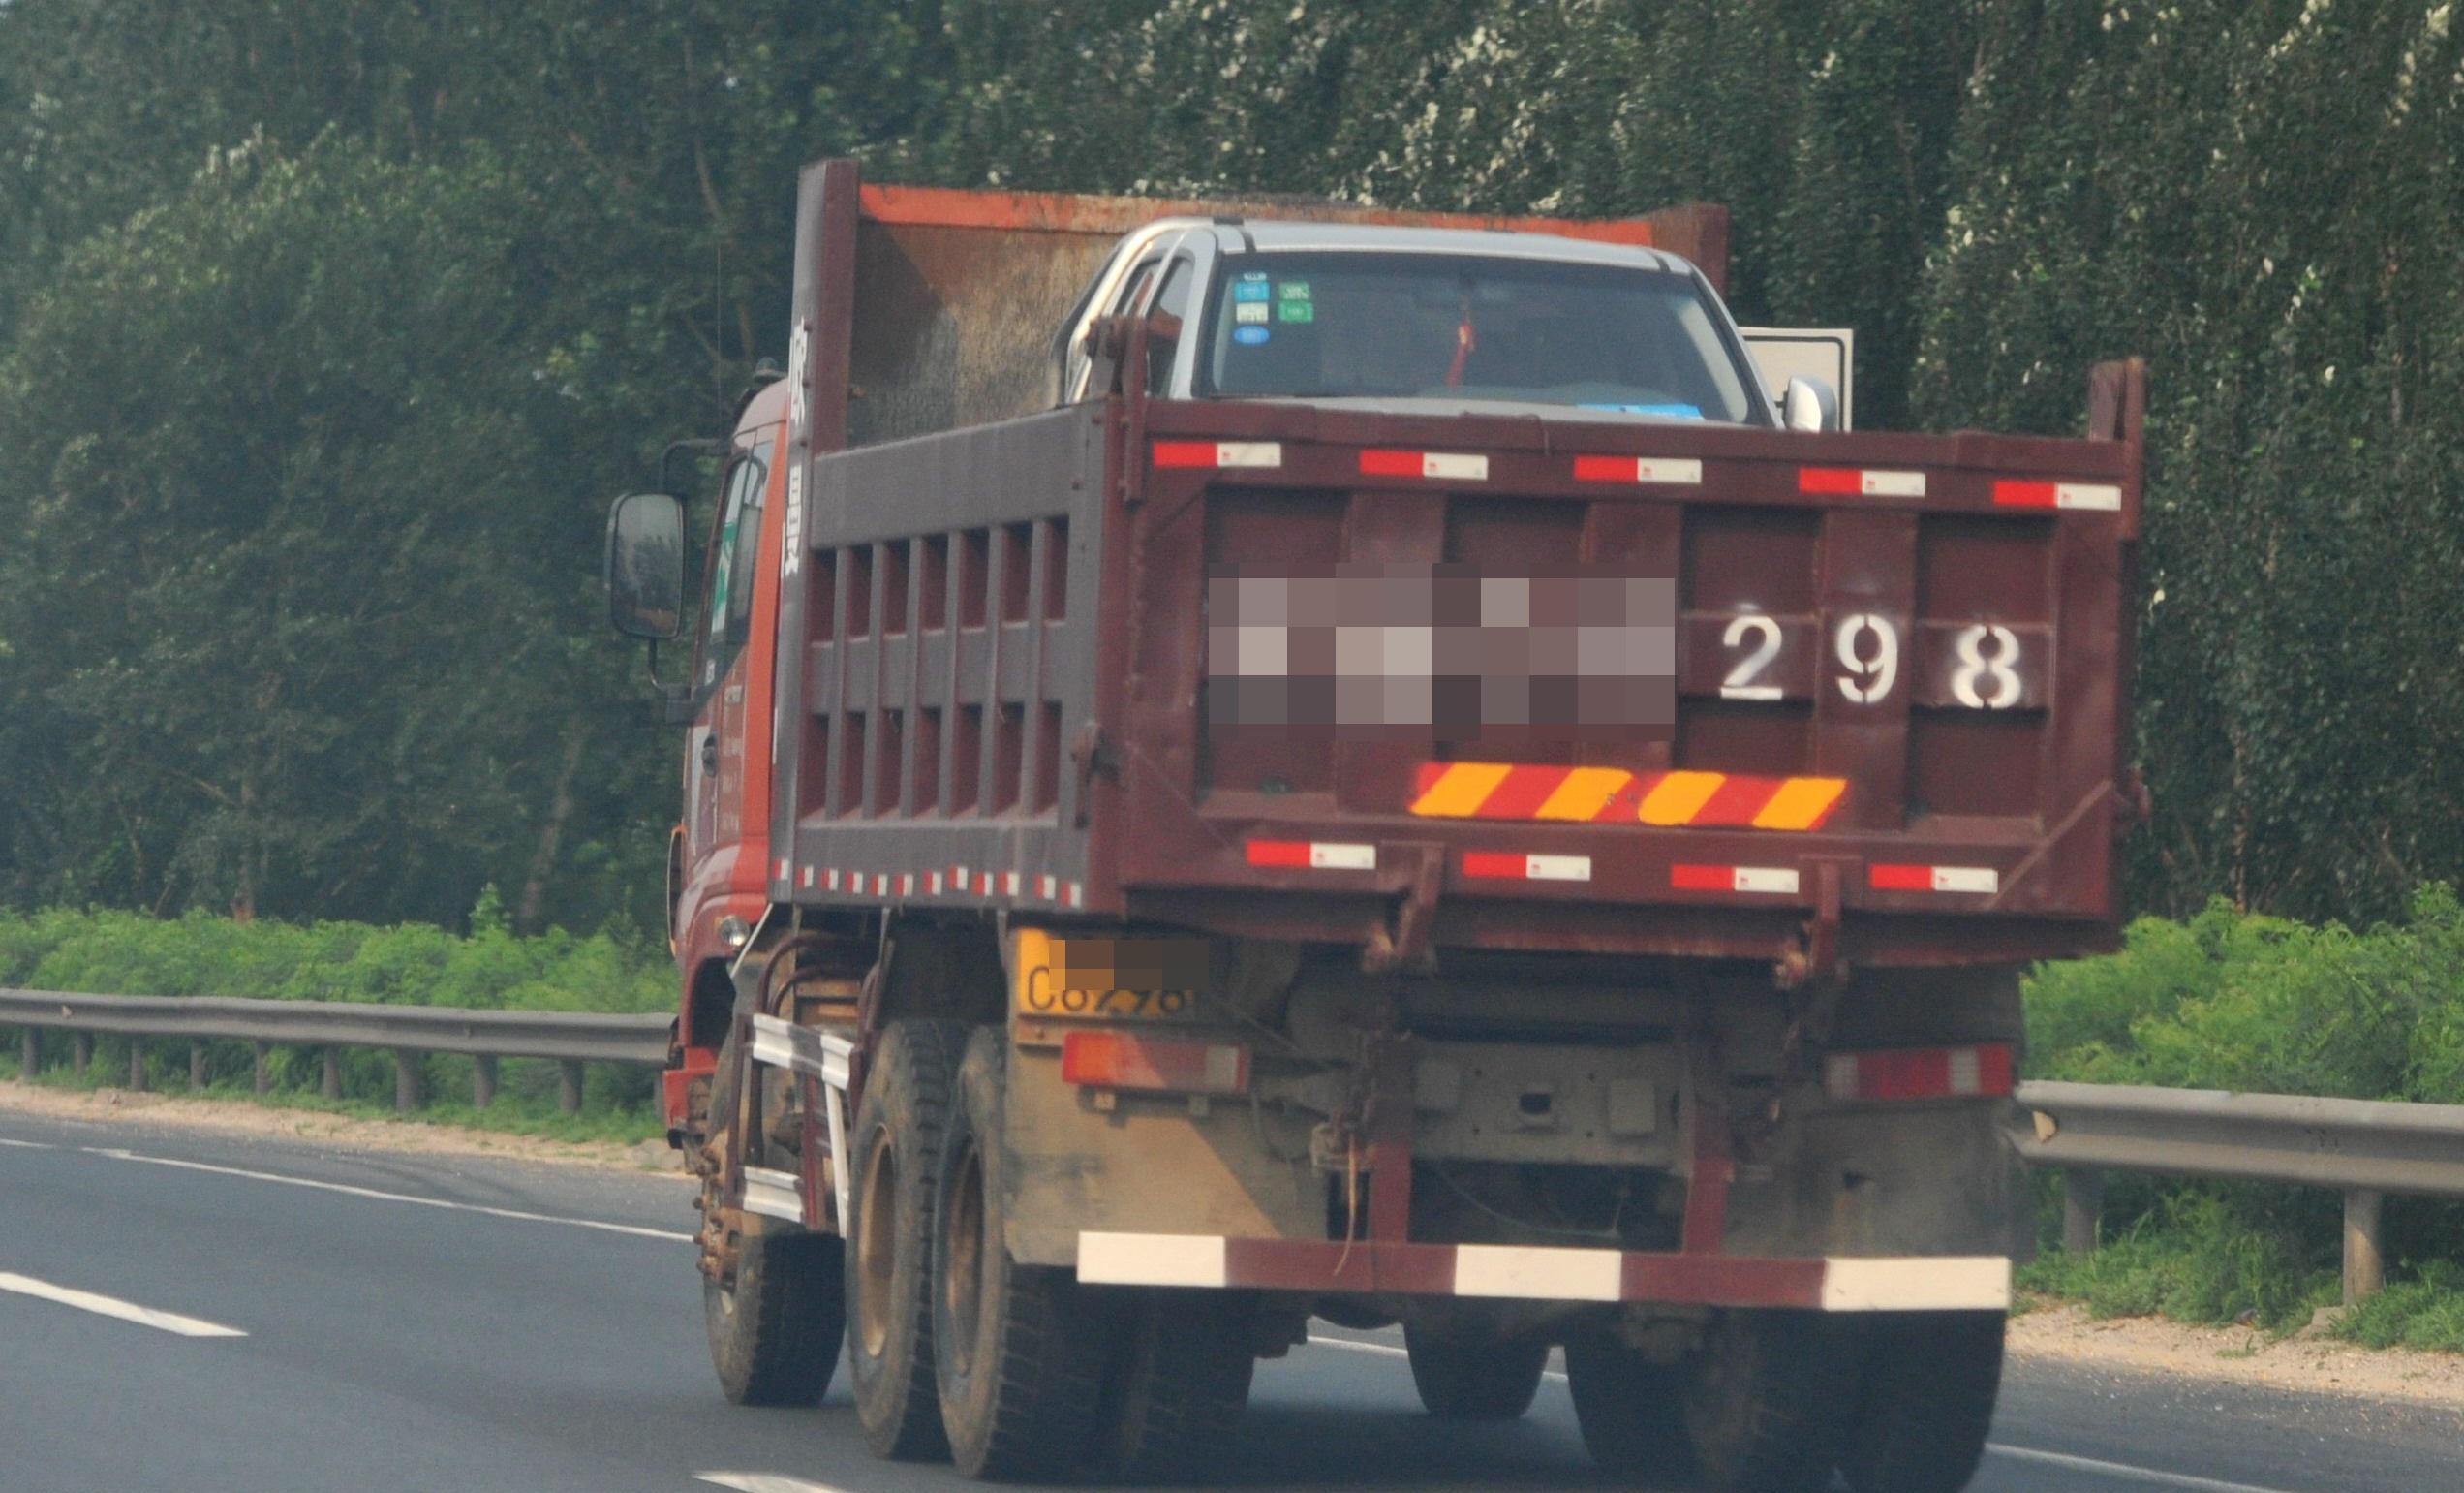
(781, 873)
(804, 877)
(1540, 1273)
(1774, 881)
(1218, 454)
(1455, 466)
(1526, 868)
(931, 884)
(1981, 881)
(2097, 497)
(1314, 855)
(1862, 481)
(1011, 882)
(1674, 471)
(1920, 1072)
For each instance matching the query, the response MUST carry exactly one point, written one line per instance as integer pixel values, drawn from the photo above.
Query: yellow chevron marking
(1583, 793)
(1460, 789)
(1677, 797)
(1800, 803)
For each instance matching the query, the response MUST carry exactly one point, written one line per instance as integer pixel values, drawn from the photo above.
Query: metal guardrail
(2362, 1148)
(570, 1038)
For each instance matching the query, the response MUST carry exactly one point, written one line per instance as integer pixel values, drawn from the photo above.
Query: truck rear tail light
(1314, 855)
(1918, 1072)
(1118, 1060)
(1218, 454)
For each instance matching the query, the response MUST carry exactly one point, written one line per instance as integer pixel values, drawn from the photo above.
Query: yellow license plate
(1106, 979)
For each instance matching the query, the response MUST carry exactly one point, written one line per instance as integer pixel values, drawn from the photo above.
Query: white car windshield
(1363, 325)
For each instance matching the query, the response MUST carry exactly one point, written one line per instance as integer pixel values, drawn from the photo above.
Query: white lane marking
(762, 1483)
(114, 1306)
(1356, 1346)
(2123, 1470)
(380, 1197)
(27, 1145)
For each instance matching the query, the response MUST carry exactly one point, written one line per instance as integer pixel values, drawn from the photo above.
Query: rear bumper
(1921, 1282)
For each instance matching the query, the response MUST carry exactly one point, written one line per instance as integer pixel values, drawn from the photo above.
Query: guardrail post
(333, 1073)
(2082, 1207)
(2364, 1266)
(409, 1091)
(196, 1066)
(264, 1079)
(137, 1064)
(29, 1053)
(569, 1086)
(81, 1052)
(482, 1082)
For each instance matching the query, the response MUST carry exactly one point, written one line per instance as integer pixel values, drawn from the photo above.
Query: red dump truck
(1252, 761)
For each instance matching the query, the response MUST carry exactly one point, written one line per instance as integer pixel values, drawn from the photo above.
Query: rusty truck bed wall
(999, 641)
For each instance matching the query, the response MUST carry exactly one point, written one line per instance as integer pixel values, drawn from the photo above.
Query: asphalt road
(425, 1323)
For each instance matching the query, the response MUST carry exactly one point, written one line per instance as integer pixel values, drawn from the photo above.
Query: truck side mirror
(646, 566)
(1809, 406)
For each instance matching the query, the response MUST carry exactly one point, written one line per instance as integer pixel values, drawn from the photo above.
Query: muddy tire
(895, 1150)
(1022, 1350)
(1473, 1376)
(1632, 1412)
(1764, 1401)
(1930, 1379)
(1179, 1384)
(775, 1335)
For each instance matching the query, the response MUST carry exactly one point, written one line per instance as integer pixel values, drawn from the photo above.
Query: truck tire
(1763, 1400)
(775, 1335)
(1474, 1376)
(1929, 1386)
(1631, 1411)
(1180, 1384)
(895, 1150)
(1022, 1350)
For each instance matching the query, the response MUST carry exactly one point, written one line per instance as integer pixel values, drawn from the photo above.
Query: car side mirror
(646, 566)
(1809, 406)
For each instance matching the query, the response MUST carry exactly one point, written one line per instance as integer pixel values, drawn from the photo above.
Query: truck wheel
(1181, 1383)
(775, 1335)
(896, 1148)
(1632, 1412)
(1763, 1401)
(1474, 1376)
(1931, 1382)
(1022, 1349)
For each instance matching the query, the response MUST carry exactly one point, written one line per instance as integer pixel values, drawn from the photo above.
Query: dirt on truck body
(1252, 762)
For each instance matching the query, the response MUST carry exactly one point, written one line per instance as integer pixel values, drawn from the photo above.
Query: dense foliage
(325, 330)
(2243, 1001)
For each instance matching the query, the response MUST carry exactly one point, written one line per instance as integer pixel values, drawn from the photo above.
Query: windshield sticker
(1250, 336)
(1296, 311)
(1293, 289)
(1249, 311)
(1249, 290)
(1664, 411)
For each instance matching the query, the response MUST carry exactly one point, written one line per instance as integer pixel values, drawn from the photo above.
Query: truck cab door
(714, 762)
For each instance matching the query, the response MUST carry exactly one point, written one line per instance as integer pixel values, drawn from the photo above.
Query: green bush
(413, 964)
(2234, 1000)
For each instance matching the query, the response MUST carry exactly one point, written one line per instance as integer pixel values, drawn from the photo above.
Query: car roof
(1298, 234)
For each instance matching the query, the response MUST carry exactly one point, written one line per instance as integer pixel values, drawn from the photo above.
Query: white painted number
(2004, 688)
(1739, 683)
(1872, 670)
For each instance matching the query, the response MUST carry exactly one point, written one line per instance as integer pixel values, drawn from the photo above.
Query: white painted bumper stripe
(1538, 1274)
(1922, 1284)
(1152, 1259)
